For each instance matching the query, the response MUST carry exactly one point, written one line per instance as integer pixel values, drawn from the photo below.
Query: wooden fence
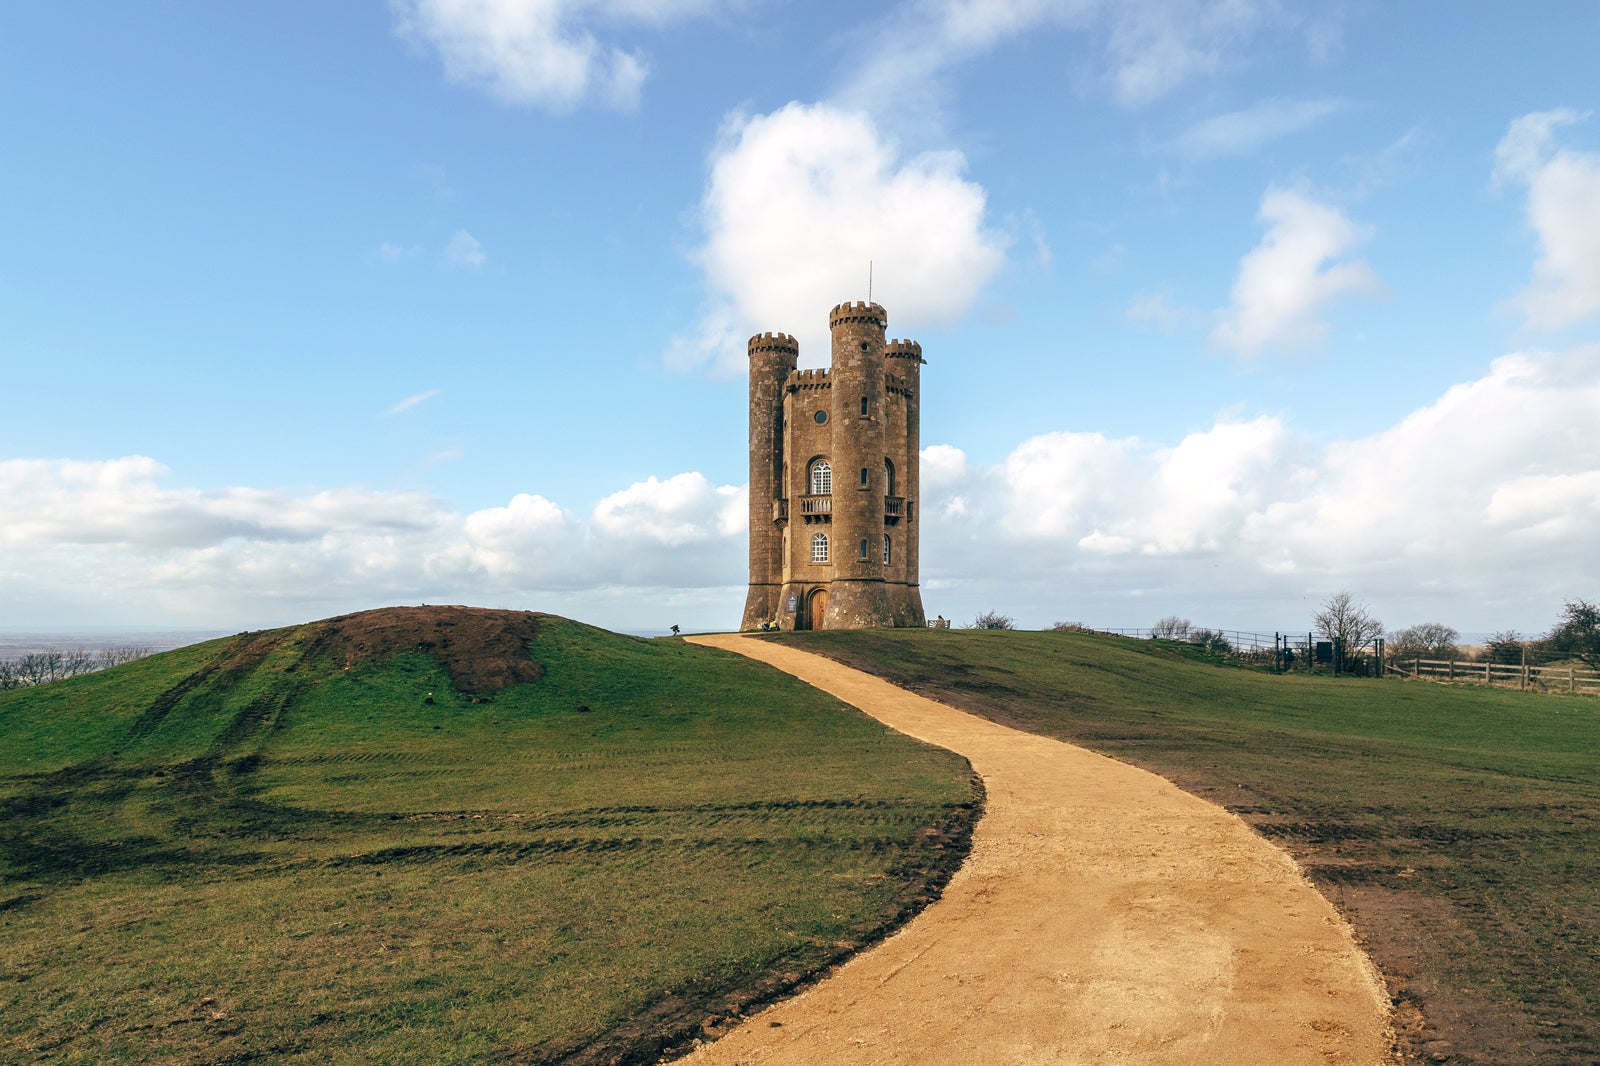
(1512, 675)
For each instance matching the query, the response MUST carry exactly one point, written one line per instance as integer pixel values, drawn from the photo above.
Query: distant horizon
(96, 637)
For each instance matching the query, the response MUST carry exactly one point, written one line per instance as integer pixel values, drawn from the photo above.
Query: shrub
(993, 620)
(1211, 640)
(1506, 648)
(1577, 636)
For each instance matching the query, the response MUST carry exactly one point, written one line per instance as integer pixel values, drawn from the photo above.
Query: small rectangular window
(863, 549)
(863, 405)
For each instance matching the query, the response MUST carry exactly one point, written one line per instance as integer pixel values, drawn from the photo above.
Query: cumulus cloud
(113, 536)
(800, 201)
(1564, 212)
(1243, 132)
(541, 53)
(1468, 510)
(464, 251)
(1298, 271)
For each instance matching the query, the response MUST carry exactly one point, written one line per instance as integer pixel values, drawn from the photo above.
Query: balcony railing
(821, 507)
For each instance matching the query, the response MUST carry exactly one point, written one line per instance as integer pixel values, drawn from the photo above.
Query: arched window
(888, 478)
(863, 477)
(821, 478)
(863, 405)
(886, 549)
(819, 547)
(863, 547)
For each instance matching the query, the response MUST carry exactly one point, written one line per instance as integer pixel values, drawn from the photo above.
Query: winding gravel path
(1104, 916)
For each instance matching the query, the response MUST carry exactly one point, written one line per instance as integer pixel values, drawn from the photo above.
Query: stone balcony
(820, 509)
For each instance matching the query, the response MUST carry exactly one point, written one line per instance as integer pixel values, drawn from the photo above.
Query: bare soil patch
(482, 650)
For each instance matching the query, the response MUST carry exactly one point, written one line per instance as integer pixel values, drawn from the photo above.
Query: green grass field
(1458, 827)
(259, 850)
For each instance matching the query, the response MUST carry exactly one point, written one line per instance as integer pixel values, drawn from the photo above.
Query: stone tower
(834, 479)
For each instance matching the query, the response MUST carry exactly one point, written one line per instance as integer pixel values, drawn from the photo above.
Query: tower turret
(903, 360)
(858, 596)
(772, 357)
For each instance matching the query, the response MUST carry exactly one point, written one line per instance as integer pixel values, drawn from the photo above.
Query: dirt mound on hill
(482, 650)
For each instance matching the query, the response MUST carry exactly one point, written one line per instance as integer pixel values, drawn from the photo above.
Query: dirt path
(1104, 915)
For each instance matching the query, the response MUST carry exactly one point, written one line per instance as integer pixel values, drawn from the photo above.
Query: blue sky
(308, 308)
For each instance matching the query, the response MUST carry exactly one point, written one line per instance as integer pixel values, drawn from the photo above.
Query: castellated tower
(834, 479)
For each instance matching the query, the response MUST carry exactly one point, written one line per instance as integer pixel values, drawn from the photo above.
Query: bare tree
(1171, 628)
(1346, 623)
(122, 653)
(993, 620)
(56, 664)
(1430, 640)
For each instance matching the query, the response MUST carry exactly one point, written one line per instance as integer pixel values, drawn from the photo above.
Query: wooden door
(816, 608)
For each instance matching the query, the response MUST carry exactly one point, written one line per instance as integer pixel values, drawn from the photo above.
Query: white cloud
(800, 201)
(1154, 48)
(1143, 51)
(1243, 132)
(1564, 212)
(411, 402)
(542, 53)
(464, 251)
(1299, 270)
(1468, 511)
(389, 252)
(1480, 509)
(111, 538)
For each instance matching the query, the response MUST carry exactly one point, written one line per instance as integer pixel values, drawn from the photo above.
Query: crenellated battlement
(858, 312)
(774, 342)
(807, 379)
(904, 349)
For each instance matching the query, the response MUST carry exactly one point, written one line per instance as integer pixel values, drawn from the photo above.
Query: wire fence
(1239, 639)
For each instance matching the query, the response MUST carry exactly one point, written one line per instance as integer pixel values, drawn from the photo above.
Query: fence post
(1452, 675)
(1487, 679)
(1572, 679)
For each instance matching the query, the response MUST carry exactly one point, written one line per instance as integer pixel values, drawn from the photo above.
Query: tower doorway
(816, 608)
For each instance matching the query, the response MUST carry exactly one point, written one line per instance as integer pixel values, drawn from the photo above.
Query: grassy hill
(442, 835)
(1458, 827)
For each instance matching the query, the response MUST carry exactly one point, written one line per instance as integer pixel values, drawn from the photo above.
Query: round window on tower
(820, 417)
